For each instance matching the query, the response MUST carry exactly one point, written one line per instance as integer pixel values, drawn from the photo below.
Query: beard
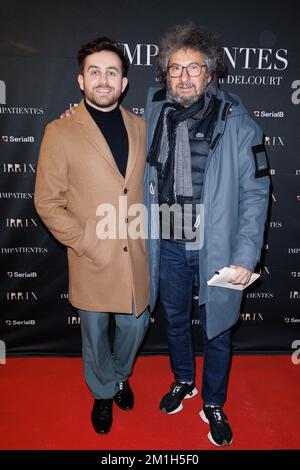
(101, 101)
(185, 101)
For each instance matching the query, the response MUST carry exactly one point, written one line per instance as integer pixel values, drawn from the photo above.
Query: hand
(241, 275)
(68, 112)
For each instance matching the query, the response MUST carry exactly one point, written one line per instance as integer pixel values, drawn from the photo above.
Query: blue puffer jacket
(235, 197)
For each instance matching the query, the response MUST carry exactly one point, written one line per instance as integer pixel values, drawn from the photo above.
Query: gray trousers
(105, 368)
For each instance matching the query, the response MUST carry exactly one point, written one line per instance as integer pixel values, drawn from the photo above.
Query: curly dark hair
(189, 36)
(102, 44)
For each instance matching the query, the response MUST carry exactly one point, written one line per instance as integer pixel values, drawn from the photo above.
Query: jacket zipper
(228, 105)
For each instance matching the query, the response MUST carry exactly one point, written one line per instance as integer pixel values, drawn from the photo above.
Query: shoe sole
(210, 438)
(192, 394)
(101, 431)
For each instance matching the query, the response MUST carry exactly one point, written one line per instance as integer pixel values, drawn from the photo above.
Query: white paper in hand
(221, 279)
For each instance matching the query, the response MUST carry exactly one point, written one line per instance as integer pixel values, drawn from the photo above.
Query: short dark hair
(102, 44)
(189, 36)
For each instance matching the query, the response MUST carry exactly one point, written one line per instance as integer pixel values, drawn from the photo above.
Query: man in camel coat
(89, 176)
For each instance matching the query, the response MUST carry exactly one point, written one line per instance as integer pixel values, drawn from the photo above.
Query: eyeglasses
(193, 70)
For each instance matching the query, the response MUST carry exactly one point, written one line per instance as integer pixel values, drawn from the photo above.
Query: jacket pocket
(90, 239)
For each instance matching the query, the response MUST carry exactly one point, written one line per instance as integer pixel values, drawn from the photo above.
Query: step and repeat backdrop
(38, 81)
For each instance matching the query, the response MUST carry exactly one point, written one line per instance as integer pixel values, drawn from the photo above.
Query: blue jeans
(179, 269)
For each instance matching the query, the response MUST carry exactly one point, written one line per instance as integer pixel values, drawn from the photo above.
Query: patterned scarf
(170, 149)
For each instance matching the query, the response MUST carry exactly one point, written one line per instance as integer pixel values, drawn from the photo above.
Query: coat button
(125, 248)
(125, 191)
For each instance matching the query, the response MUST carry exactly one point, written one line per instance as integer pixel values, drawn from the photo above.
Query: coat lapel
(92, 133)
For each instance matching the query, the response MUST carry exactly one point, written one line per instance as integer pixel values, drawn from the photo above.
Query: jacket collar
(227, 104)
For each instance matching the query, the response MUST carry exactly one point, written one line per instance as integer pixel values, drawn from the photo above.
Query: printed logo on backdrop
(274, 197)
(295, 273)
(20, 322)
(17, 140)
(16, 195)
(294, 295)
(251, 317)
(292, 320)
(268, 114)
(260, 295)
(16, 110)
(274, 224)
(265, 271)
(23, 250)
(24, 169)
(256, 66)
(21, 296)
(294, 251)
(21, 275)
(259, 66)
(73, 320)
(19, 223)
(295, 97)
(138, 111)
(140, 54)
(274, 143)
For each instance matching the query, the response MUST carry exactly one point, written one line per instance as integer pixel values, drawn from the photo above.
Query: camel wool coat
(76, 176)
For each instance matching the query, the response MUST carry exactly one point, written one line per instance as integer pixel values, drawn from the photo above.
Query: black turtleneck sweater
(112, 126)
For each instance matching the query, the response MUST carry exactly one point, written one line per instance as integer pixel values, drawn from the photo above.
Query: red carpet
(45, 404)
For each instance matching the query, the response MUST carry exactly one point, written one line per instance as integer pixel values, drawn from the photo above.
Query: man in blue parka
(207, 164)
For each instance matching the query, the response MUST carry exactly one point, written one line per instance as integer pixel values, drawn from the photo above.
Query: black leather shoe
(102, 415)
(124, 398)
